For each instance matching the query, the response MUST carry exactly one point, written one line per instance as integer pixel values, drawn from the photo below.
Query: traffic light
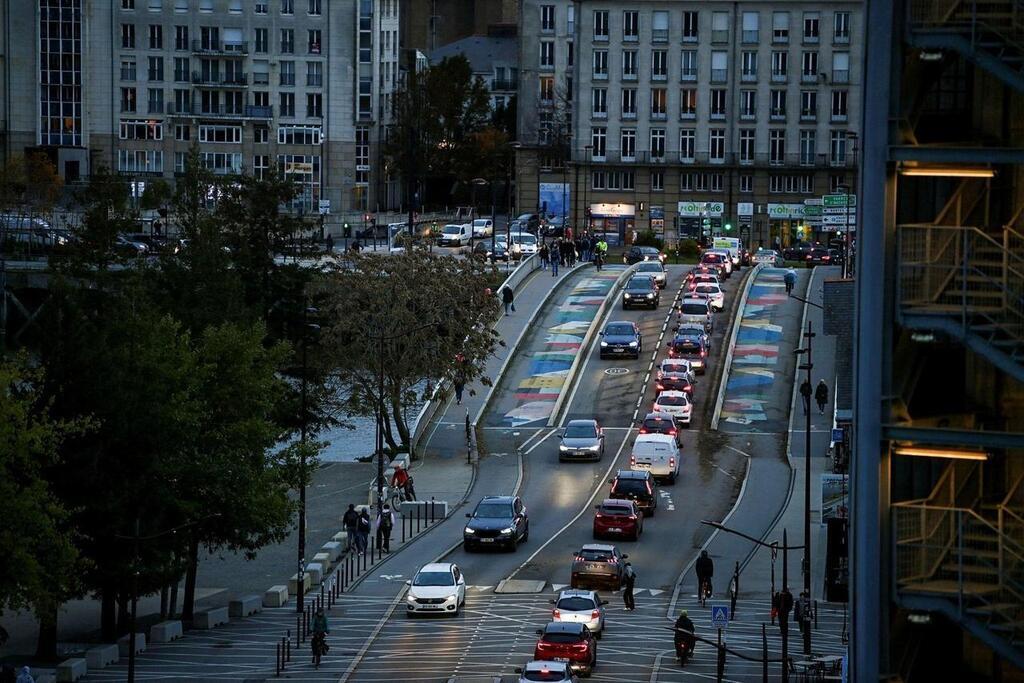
(728, 227)
(705, 224)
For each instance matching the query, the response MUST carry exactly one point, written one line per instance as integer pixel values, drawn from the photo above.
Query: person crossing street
(629, 581)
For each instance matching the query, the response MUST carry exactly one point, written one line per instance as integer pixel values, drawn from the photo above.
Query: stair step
(1005, 343)
(1008, 626)
(978, 552)
(995, 607)
(969, 569)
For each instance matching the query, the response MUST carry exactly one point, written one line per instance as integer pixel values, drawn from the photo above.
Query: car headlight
(595, 447)
(563, 447)
(468, 531)
(507, 531)
(627, 295)
(632, 343)
(650, 296)
(604, 343)
(410, 598)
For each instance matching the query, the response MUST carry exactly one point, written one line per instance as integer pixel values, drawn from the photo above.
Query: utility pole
(808, 366)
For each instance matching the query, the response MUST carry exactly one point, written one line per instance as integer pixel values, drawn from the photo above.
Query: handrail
(1011, 491)
(971, 513)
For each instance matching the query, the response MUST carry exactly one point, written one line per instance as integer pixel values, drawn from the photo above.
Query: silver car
(580, 607)
(544, 670)
(769, 257)
(655, 269)
(582, 440)
(713, 293)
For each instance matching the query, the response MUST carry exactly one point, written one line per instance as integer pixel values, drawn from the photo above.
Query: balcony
(716, 116)
(838, 117)
(748, 115)
(235, 80)
(808, 78)
(657, 158)
(687, 114)
(629, 76)
(719, 75)
(599, 76)
(659, 35)
(808, 116)
(840, 76)
(688, 76)
(719, 37)
(216, 47)
(503, 84)
(841, 39)
(173, 109)
(659, 77)
(687, 158)
(253, 111)
(777, 115)
(748, 77)
(780, 37)
(631, 38)
(659, 116)
(599, 115)
(629, 116)
(811, 39)
(751, 37)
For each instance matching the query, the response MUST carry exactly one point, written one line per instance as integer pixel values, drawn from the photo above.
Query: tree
(29, 184)
(420, 316)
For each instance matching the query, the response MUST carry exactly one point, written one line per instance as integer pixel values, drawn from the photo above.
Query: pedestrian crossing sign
(720, 616)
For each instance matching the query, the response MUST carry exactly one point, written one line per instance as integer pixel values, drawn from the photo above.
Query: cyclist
(790, 279)
(684, 637)
(705, 570)
(320, 629)
(402, 481)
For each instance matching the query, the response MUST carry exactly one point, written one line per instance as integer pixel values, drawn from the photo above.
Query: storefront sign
(697, 209)
(745, 209)
(785, 211)
(612, 210)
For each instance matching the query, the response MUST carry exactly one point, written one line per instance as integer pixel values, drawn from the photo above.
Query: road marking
(616, 371)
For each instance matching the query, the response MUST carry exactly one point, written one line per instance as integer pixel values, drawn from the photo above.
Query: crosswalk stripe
(558, 586)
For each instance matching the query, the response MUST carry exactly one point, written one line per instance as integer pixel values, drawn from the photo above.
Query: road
(496, 631)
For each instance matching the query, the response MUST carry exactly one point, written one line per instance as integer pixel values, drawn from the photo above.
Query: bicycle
(392, 496)
(704, 592)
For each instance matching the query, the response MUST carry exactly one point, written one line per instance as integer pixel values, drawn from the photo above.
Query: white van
(658, 454)
(523, 243)
(730, 244)
(455, 235)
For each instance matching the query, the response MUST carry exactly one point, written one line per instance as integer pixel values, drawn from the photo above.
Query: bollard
(298, 629)
(403, 528)
(288, 647)
(815, 615)
(277, 659)
(764, 654)
(419, 517)
(431, 509)
(283, 659)
(721, 659)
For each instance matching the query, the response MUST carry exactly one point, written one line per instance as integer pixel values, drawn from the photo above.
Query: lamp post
(808, 366)
(490, 186)
(308, 328)
(586, 186)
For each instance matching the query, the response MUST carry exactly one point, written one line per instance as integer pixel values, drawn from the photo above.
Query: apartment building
(302, 86)
(428, 25)
(669, 112)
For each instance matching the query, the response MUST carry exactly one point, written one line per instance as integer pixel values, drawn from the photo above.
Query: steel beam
(939, 154)
(934, 436)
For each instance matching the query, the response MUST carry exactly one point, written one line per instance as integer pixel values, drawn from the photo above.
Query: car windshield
(493, 511)
(649, 267)
(657, 424)
(575, 604)
(594, 554)
(525, 239)
(434, 579)
(629, 486)
(580, 431)
(639, 283)
(562, 637)
(691, 331)
(693, 309)
(614, 510)
(708, 289)
(543, 675)
(664, 400)
(481, 222)
(619, 330)
(669, 366)
(452, 230)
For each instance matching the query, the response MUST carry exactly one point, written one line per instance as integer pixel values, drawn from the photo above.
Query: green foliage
(157, 195)
(689, 250)
(648, 239)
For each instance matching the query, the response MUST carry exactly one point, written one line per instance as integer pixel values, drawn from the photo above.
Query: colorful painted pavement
(753, 385)
(550, 361)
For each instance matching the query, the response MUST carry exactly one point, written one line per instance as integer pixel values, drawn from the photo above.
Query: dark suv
(497, 521)
(621, 338)
(641, 290)
(637, 254)
(638, 487)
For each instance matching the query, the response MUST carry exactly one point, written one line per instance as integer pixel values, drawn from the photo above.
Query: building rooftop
(483, 52)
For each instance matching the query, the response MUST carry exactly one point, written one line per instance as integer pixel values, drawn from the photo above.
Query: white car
(438, 588)
(728, 260)
(582, 607)
(483, 227)
(545, 670)
(713, 293)
(679, 366)
(655, 269)
(769, 257)
(455, 235)
(523, 243)
(676, 404)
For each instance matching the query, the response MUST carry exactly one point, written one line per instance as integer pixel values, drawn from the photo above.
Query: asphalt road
(496, 632)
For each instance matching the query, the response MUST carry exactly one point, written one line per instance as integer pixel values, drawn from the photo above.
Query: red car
(614, 517)
(568, 641)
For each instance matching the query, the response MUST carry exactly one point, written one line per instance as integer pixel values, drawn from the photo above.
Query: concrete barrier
(101, 656)
(165, 632)
(424, 509)
(324, 560)
(124, 644)
(211, 618)
(333, 550)
(315, 573)
(276, 596)
(46, 678)
(245, 606)
(71, 670)
(293, 585)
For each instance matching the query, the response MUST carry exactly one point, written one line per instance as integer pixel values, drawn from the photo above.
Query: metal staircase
(989, 33)
(955, 555)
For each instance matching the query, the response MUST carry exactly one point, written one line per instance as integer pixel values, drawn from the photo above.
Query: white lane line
(534, 446)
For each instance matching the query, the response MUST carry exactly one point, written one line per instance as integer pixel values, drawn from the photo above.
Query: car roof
(577, 592)
(688, 337)
(692, 300)
(647, 250)
(607, 547)
(640, 278)
(564, 627)
(657, 415)
(437, 567)
(629, 474)
(617, 502)
(590, 422)
(656, 438)
(546, 665)
(498, 499)
(654, 264)
(619, 322)
(670, 394)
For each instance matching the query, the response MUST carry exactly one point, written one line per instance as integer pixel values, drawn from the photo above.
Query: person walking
(593, 246)
(572, 253)
(350, 520)
(363, 531)
(544, 255)
(507, 298)
(790, 279)
(628, 581)
(705, 568)
(320, 628)
(805, 391)
(821, 396)
(802, 613)
(330, 244)
(556, 255)
(459, 387)
(385, 523)
(25, 676)
(783, 604)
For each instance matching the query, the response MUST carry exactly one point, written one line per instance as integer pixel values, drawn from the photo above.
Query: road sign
(839, 210)
(813, 210)
(834, 200)
(324, 206)
(837, 434)
(843, 219)
(719, 615)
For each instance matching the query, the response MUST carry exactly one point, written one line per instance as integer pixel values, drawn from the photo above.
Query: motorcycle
(683, 651)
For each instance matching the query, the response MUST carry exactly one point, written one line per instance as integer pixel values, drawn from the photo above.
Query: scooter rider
(684, 634)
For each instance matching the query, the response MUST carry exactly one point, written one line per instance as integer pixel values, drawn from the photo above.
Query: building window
(140, 161)
(128, 36)
(128, 4)
(719, 66)
(287, 104)
(599, 102)
(128, 69)
(687, 145)
(547, 18)
(314, 105)
(222, 163)
(225, 134)
(600, 70)
(841, 27)
(261, 134)
(837, 148)
(808, 105)
(155, 100)
(659, 27)
(747, 141)
(547, 90)
(751, 28)
(156, 37)
(627, 144)
(659, 65)
(811, 27)
(598, 140)
(181, 38)
(365, 96)
(716, 145)
(314, 74)
(260, 6)
(313, 8)
(261, 166)
(570, 58)
(129, 100)
(155, 72)
(836, 181)
(601, 25)
(657, 144)
(778, 98)
(749, 72)
(659, 104)
(628, 180)
(717, 183)
(299, 135)
(262, 42)
(746, 183)
(313, 43)
(808, 147)
(630, 26)
(777, 147)
(181, 69)
(840, 67)
(629, 67)
(183, 101)
(547, 54)
(362, 149)
(688, 103)
(182, 132)
(287, 6)
(657, 181)
(717, 108)
(141, 129)
(597, 180)
(780, 27)
(748, 104)
(690, 26)
(839, 105)
(719, 27)
(688, 65)
(287, 41)
(780, 65)
(287, 72)
(809, 67)
(629, 103)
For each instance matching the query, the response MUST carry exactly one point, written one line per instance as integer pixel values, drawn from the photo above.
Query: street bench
(165, 632)
(124, 644)
(245, 606)
(211, 618)
(71, 670)
(102, 655)
(276, 596)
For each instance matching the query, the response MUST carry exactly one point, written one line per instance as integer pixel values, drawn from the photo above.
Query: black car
(497, 521)
(818, 256)
(641, 290)
(638, 487)
(527, 222)
(482, 250)
(621, 338)
(797, 252)
(637, 254)
(837, 257)
(555, 227)
(691, 348)
(661, 423)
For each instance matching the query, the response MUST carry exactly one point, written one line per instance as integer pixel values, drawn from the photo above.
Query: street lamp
(586, 185)
(308, 329)
(808, 366)
(490, 187)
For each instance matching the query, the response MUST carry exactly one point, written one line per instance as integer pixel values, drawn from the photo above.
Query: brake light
(659, 386)
(643, 430)
(613, 560)
(580, 558)
(671, 432)
(632, 518)
(808, 257)
(632, 461)
(672, 463)
(556, 615)
(596, 614)
(703, 353)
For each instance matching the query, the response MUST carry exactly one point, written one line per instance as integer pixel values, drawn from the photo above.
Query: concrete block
(46, 678)
(71, 670)
(165, 632)
(324, 560)
(245, 606)
(293, 585)
(315, 573)
(102, 655)
(276, 596)
(211, 618)
(333, 550)
(124, 644)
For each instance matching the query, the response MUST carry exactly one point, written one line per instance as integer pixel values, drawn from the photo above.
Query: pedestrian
(459, 386)
(350, 520)
(385, 523)
(543, 253)
(363, 531)
(572, 253)
(581, 249)
(25, 676)
(790, 279)
(593, 247)
(628, 581)
(783, 604)
(507, 298)
(821, 396)
(805, 391)
(556, 255)
(802, 612)
(330, 244)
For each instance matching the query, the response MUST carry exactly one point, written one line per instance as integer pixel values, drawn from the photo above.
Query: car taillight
(671, 432)
(632, 461)
(825, 258)
(613, 560)
(703, 353)
(556, 615)
(659, 386)
(632, 518)
(672, 462)
(596, 614)
(808, 257)
(643, 430)
(580, 558)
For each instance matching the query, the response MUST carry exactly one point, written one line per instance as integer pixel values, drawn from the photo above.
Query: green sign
(839, 200)
(812, 210)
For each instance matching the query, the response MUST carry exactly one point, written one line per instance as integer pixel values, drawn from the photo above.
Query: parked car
(581, 440)
(641, 290)
(638, 487)
(637, 254)
(437, 588)
(621, 338)
(599, 565)
(585, 607)
(497, 521)
(568, 642)
(616, 517)
(659, 454)
(655, 269)
(129, 247)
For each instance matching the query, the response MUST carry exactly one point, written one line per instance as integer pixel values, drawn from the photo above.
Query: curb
(727, 365)
(522, 334)
(588, 340)
(796, 387)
